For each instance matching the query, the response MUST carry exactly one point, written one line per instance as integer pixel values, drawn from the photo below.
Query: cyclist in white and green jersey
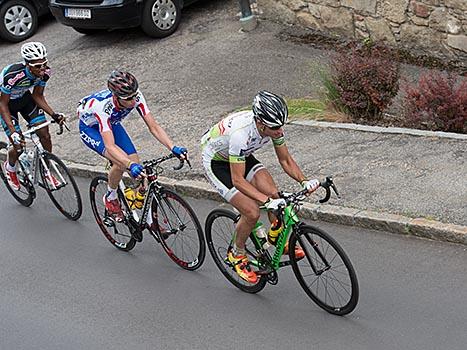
(239, 177)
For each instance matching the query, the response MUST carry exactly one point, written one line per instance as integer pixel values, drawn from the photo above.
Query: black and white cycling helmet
(33, 51)
(270, 109)
(122, 84)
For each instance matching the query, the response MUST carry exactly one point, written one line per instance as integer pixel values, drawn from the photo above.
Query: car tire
(27, 16)
(160, 18)
(87, 31)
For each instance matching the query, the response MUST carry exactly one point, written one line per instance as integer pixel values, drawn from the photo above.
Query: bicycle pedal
(264, 271)
(109, 222)
(137, 235)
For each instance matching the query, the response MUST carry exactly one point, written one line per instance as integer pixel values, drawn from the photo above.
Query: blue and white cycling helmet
(270, 109)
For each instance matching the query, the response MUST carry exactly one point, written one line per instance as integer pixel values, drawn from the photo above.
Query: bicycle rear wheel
(220, 226)
(325, 273)
(26, 194)
(64, 193)
(117, 233)
(179, 229)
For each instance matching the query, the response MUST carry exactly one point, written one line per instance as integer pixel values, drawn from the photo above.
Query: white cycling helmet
(33, 51)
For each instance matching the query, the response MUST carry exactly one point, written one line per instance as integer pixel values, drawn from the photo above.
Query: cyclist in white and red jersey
(240, 178)
(100, 117)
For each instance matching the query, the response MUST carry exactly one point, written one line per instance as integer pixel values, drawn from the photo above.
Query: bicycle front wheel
(179, 229)
(117, 233)
(60, 186)
(325, 273)
(220, 226)
(26, 193)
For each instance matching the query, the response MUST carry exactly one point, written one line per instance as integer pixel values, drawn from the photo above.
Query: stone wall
(434, 27)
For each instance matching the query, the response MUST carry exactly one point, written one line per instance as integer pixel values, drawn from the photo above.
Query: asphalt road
(63, 286)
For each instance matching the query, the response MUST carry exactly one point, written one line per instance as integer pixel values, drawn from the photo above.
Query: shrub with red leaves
(366, 78)
(439, 102)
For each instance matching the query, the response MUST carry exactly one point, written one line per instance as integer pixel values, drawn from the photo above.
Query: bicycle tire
(58, 169)
(313, 240)
(26, 194)
(220, 225)
(175, 221)
(97, 190)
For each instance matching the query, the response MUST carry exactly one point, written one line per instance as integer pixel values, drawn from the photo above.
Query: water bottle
(24, 159)
(139, 197)
(262, 235)
(30, 156)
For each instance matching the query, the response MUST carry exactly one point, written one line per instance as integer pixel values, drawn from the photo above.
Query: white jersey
(234, 138)
(99, 110)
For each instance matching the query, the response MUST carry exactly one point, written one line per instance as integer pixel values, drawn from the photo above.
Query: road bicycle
(36, 166)
(325, 272)
(166, 216)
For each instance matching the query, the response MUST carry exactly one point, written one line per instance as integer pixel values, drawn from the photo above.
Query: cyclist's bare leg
(44, 137)
(264, 182)
(12, 154)
(118, 168)
(249, 211)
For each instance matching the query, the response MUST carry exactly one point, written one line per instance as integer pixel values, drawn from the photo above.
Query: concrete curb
(340, 215)
(380, 129)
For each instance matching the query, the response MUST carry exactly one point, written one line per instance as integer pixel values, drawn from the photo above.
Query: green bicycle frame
(289, 219)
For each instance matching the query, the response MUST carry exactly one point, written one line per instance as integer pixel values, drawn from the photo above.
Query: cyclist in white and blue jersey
(16, 81)
(100, 117)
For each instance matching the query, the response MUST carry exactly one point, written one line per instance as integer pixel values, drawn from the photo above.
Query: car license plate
(78, 13)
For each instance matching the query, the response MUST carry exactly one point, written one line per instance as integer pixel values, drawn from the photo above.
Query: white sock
(111, 193)
(10, 168)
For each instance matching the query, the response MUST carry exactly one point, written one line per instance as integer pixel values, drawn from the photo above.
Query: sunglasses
(128, 98)
(274, 127)
(39, 65)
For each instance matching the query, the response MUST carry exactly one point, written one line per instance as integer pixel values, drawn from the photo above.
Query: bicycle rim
(220, 226)
(26, 194)
(65, 194)
(179, 230)
(333, 286)
(116, 233)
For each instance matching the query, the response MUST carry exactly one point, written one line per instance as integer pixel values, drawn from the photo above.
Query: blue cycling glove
(179, 151)
(136, 170)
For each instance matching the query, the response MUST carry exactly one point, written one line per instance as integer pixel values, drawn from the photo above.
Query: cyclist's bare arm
(113, 152)
(39, 98)
(237, 170)
(5, 111)
(157, 131)
(288, 163)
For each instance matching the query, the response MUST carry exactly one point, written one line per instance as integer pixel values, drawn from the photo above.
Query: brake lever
(334, 188)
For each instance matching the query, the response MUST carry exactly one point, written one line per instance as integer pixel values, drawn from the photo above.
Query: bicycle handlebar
(327, 184)
(155, 162)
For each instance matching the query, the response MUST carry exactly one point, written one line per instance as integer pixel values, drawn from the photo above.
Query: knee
(251, 215)
(45, 137)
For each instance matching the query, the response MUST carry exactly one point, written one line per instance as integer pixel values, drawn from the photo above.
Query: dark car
(19, 18)
(157, 18)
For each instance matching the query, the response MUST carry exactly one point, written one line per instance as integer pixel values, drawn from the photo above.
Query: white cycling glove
(310, 185)
(16, 138)
(273, 204)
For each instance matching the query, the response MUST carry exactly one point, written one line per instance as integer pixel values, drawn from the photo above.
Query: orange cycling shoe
(242, 267)
(299, 253)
